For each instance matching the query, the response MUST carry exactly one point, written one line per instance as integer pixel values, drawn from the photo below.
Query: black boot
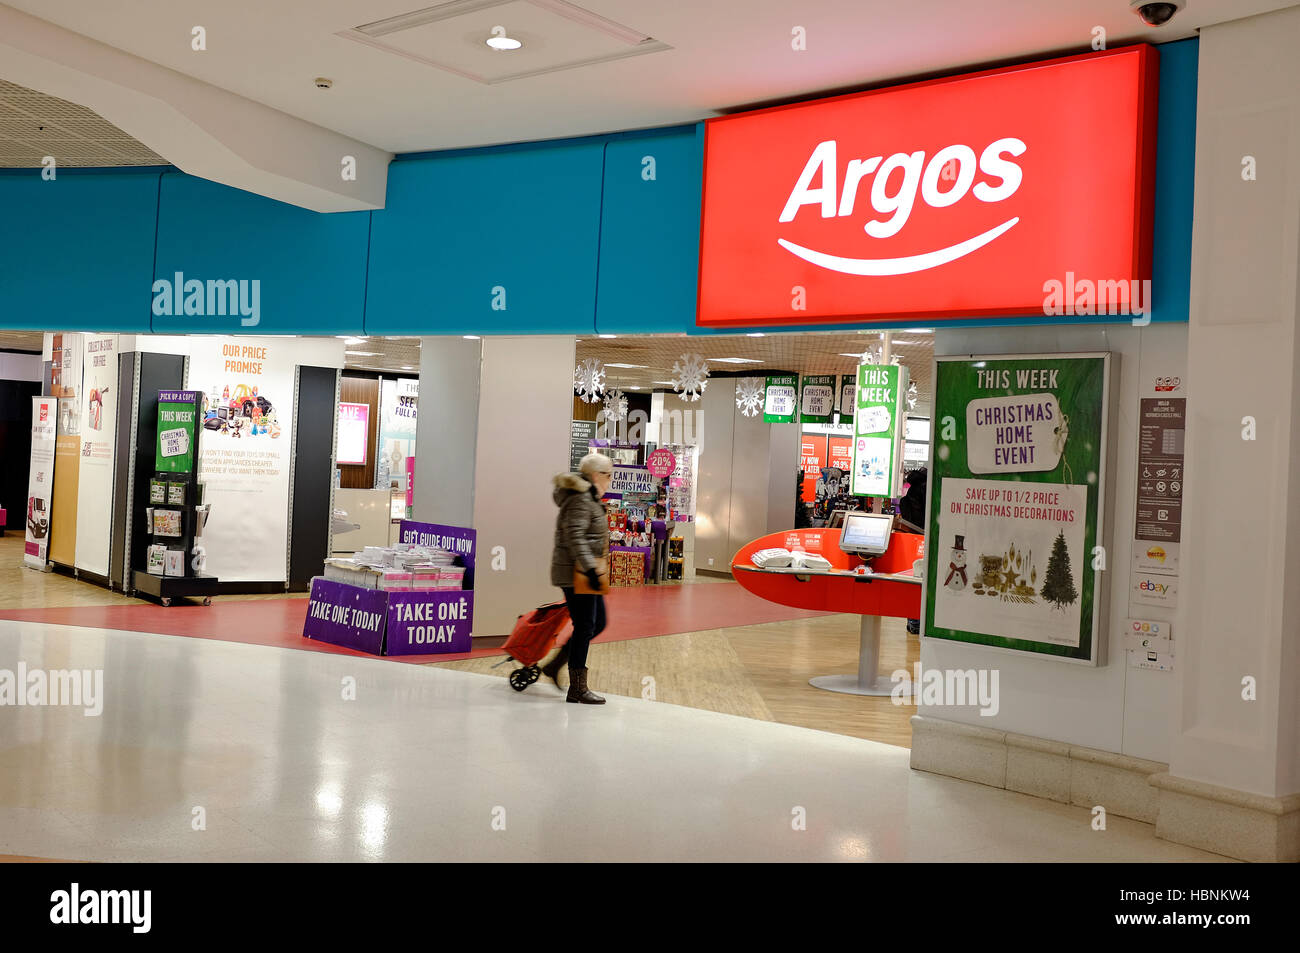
(552, 668)
(578, 689)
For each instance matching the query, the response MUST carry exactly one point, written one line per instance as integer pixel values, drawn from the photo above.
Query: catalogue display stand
(177, 513)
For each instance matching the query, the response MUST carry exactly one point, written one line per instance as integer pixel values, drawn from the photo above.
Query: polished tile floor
(220, 751)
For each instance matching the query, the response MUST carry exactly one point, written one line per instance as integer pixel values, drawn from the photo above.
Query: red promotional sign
(954, 197)
(841, 453)
(661, 463)
(812, 457)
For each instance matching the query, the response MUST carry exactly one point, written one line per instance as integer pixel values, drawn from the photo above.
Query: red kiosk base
(883, 587)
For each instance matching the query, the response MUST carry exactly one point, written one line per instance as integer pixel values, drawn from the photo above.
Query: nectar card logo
(45, 413)
(1157, 554)
(952, 197)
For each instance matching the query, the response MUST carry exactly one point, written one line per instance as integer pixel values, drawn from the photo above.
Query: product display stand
(176, 514)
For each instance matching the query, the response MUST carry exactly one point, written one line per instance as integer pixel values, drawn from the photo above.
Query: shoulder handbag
(582, 585)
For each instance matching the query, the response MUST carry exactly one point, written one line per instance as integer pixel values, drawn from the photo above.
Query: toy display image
(97, 395)
(1010, 576)
(240, 411)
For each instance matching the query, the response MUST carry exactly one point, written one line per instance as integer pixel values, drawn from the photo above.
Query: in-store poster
(878, 431)
(40, 481)
(98, 433)
(177, 431)
(245, 452)
(1016, 484)
(848, 397)
(353, 431)
(65, 384)
(398, 409)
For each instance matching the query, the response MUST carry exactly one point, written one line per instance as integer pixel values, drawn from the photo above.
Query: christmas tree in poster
(1058, 583)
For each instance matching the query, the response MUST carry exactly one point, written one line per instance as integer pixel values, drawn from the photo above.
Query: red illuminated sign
(956, 197)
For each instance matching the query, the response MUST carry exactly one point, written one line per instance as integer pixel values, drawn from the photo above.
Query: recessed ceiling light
(847, 354)
(634, 387)
(501, 42)
(669, 383)
(734, 360)
(755, 334)
(407, 367)
(362, 353)
(639, 367)
(607, 337)
(352, 340)
(472, 337)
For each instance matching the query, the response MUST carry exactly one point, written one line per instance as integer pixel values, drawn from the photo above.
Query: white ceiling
(724, 54)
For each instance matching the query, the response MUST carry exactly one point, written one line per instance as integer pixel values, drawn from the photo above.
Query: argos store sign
(952, 198)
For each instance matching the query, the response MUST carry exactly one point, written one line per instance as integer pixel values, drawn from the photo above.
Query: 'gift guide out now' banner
(1016, 489)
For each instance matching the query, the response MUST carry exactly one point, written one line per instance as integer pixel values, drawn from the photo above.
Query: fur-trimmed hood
(566, 483)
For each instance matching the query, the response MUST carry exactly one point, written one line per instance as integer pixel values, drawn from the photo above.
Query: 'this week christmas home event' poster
(1016, 488)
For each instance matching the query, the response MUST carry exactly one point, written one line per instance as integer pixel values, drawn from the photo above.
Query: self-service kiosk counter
(870, 586)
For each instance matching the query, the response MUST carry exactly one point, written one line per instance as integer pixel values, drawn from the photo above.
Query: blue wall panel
(650, 234)
(457, 226)
(312, 266)
(78, 250)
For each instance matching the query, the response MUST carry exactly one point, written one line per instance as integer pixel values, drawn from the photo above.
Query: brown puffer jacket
(581, 528)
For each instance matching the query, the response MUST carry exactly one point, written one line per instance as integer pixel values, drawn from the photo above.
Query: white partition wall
(524, 411)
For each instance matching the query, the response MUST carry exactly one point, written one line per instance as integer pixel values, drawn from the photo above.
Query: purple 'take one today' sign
(347, 615)
(427, 623)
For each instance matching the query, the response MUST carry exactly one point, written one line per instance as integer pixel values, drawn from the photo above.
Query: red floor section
(634, 613)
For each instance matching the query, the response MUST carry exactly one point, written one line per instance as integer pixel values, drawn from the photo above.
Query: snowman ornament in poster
(956, 580)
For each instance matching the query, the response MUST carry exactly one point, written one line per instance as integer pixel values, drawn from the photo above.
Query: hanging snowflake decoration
(872, 355)
(749, 396)
(690, 376)
(615, 405)
(589, 380)
(912, 395)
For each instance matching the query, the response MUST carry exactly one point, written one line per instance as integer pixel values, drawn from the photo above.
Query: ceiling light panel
(556, 35)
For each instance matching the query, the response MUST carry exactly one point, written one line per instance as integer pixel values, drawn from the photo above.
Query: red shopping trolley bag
(536, 633)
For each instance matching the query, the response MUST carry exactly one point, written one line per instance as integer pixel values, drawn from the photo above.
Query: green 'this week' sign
(781, 399)
(177, 431)
(878, 431)
(1016, 497)
(817, 399)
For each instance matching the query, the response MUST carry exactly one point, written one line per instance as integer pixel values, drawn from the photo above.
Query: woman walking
(580, 567)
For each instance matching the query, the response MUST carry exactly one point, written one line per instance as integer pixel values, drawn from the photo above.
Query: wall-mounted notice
(780, 400)
(40, 481)
(817, 399)
(1161, 427)
(582, 433)
(878, 431)
(354, 429)
(1016, 489)
(98, 430)
(248, 416)
(66, 352)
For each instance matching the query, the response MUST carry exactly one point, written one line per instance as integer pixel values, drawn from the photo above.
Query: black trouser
(587, 610)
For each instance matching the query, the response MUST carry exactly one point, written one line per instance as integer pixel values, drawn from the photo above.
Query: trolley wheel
(207, 600)
(519, 679)
(534, 673)
(166, 600)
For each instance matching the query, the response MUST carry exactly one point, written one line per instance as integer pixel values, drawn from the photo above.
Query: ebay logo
(958, 164)
(1150, 585)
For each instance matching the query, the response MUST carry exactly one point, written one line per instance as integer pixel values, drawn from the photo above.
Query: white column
(1234, 778)
(447, 431)
(524, 411)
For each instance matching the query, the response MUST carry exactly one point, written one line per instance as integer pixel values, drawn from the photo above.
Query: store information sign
(581, 434)
(878, 431)
(1016, 495)
(177, 410)
(780, 400)
(398, 409)
(354, 429)
(817, 399)
(1162, 426)
(40, 481)
(955, 197)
